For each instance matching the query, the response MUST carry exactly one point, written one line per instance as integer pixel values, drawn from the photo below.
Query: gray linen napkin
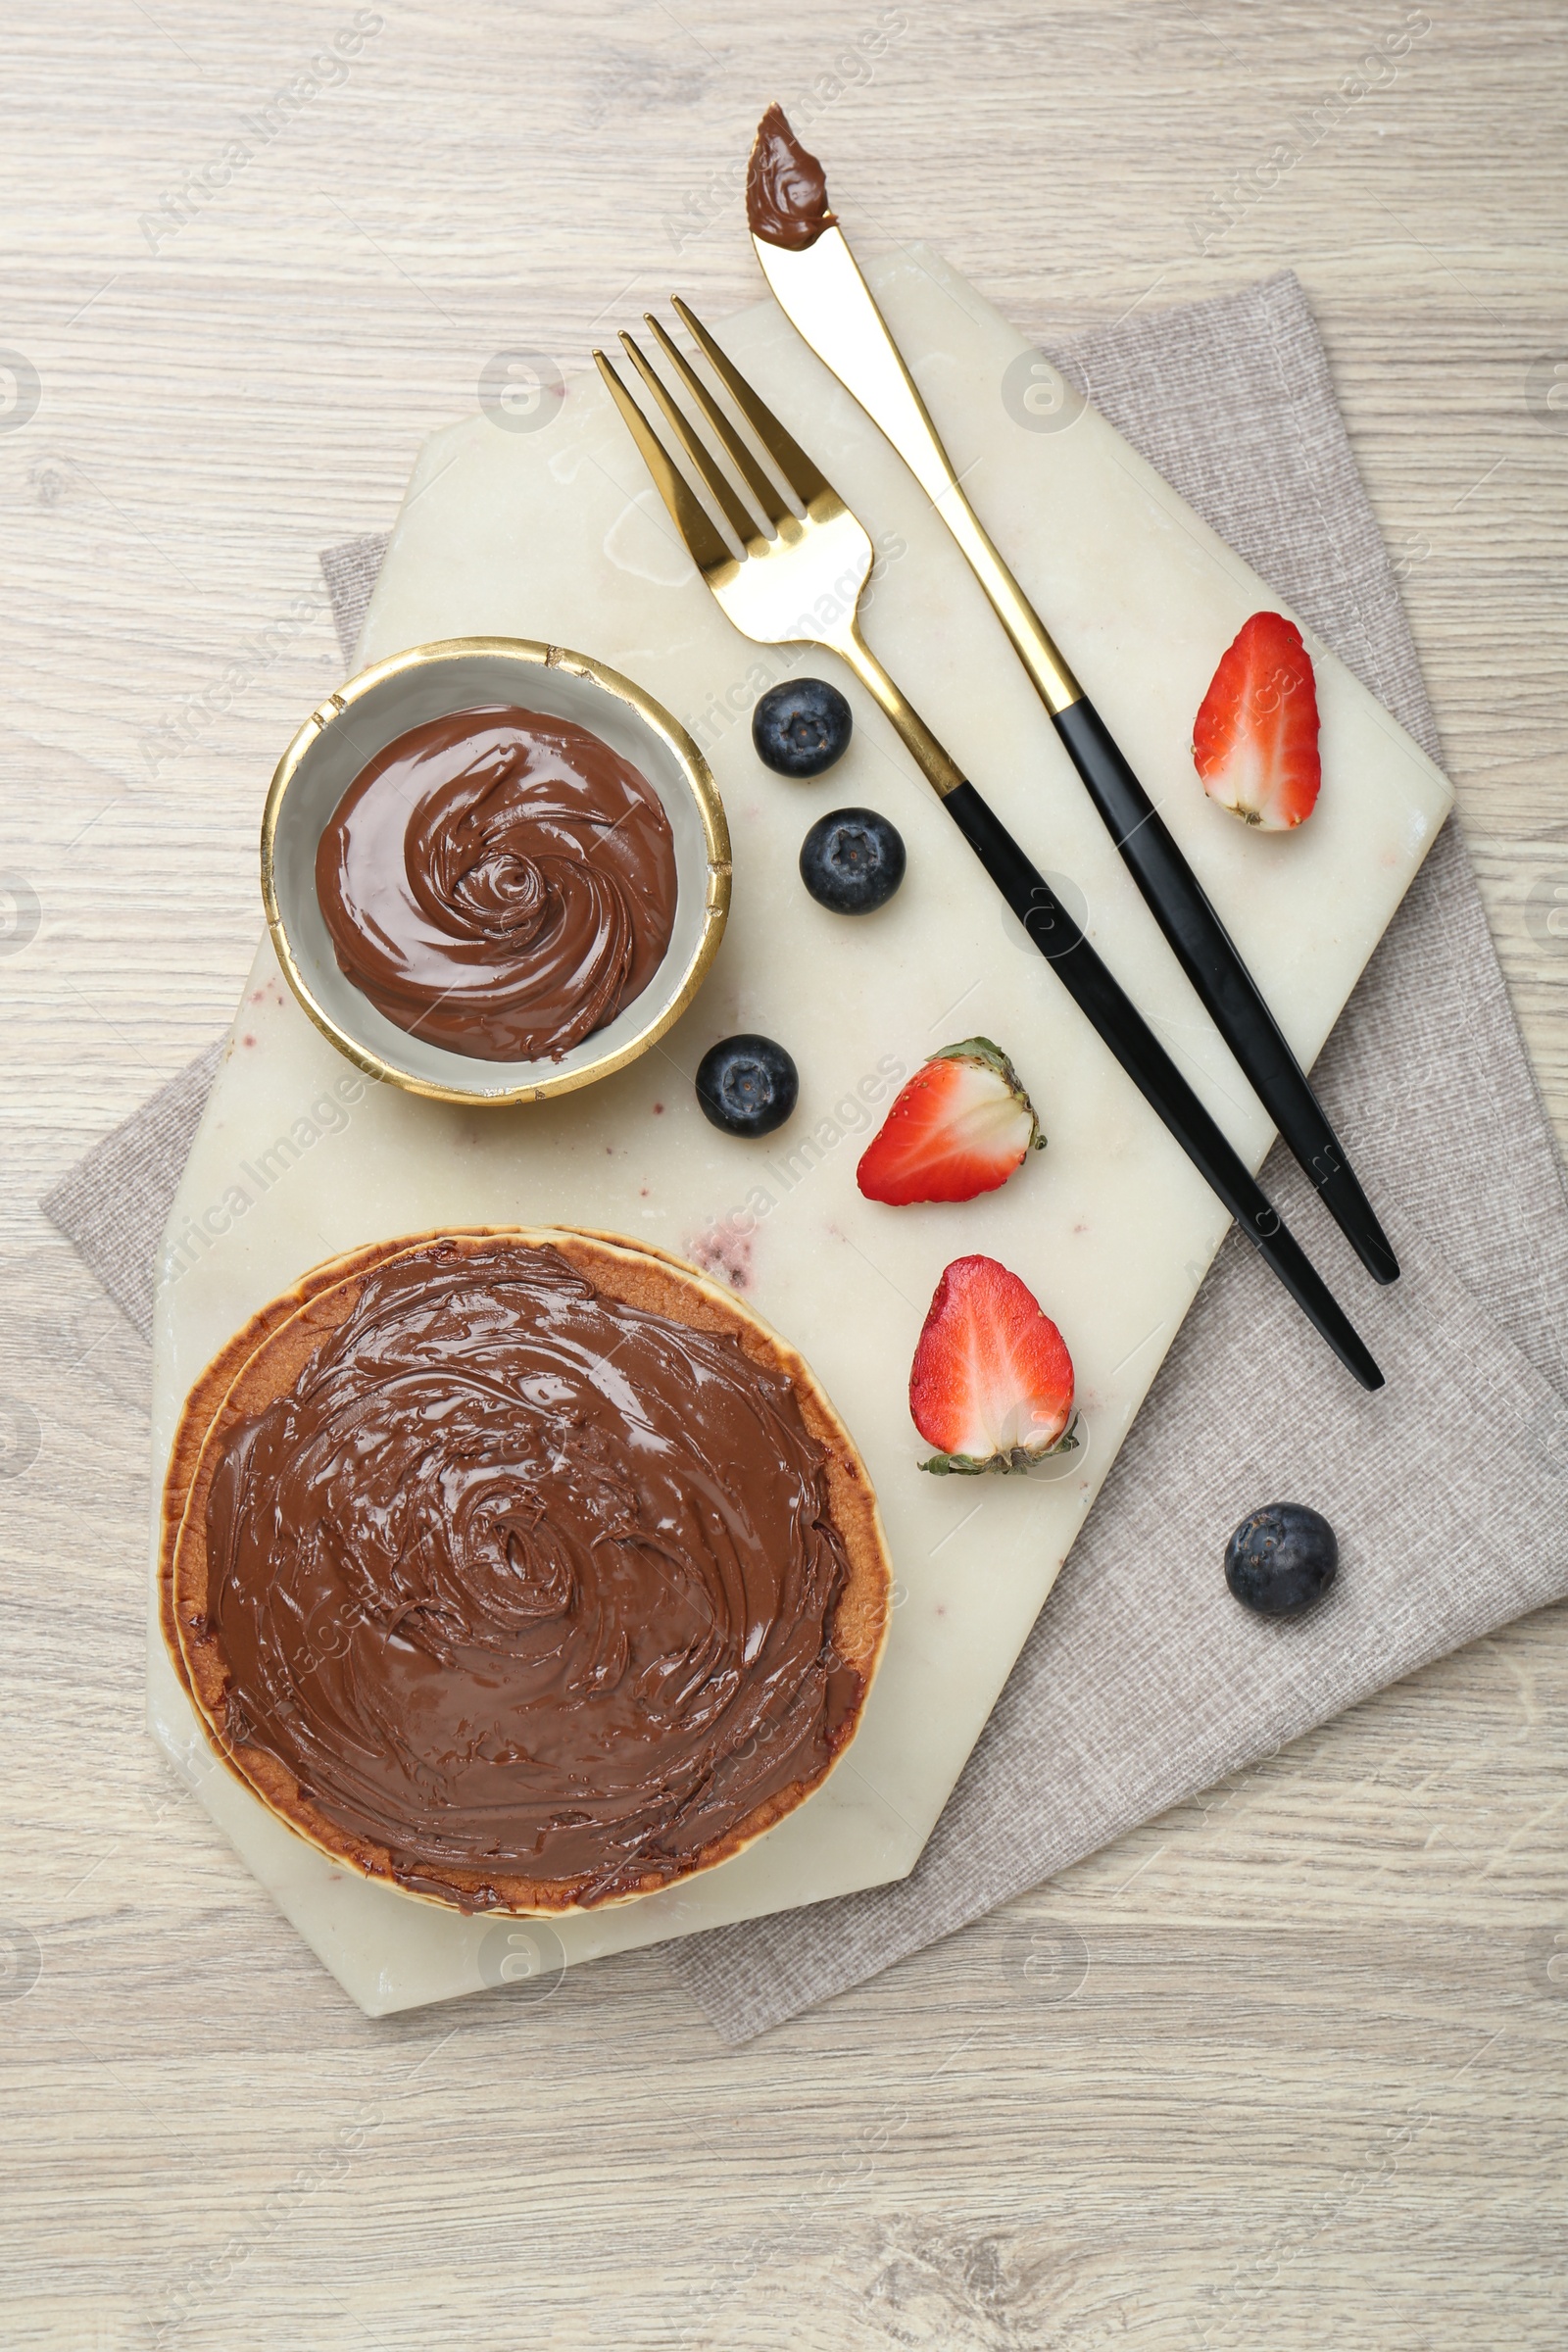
(1143, 1683)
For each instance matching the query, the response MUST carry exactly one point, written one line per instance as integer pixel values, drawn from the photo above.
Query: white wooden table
(1283, 2069)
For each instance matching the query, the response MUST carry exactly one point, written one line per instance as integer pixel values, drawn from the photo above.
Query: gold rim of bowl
(699, 778)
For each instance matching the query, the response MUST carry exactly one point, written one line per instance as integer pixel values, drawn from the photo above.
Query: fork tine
(686, 511)
(785, 451)
(743, 525)
(757, 481)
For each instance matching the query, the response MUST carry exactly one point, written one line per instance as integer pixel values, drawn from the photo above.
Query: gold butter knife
(817, 281)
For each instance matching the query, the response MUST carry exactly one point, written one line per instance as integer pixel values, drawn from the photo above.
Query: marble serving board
(554, 533)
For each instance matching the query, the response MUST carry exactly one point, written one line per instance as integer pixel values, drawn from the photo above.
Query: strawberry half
(1254, 740)
(960, 1127)
(991, 1384)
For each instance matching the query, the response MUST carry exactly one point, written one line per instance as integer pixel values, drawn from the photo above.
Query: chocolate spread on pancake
(499, 883)
(786, 190)
(520, 1578)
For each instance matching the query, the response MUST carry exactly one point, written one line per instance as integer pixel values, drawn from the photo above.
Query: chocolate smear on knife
(786, 190)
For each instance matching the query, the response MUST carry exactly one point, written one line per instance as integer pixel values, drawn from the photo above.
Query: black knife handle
(1213, 965)
(1117, 1020)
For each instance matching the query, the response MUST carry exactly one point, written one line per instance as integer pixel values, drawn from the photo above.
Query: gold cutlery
(791, 557)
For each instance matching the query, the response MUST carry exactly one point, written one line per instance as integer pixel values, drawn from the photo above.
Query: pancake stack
(523, 1570)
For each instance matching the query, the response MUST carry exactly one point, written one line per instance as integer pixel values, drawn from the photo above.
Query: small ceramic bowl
(430, 681)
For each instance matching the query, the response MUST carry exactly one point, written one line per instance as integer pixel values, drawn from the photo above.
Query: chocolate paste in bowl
(500, 883)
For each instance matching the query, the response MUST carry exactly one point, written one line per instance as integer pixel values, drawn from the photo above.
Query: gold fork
(789, 564)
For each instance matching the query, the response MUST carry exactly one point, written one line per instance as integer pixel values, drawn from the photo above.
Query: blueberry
(747, 1085)
(799, 729)
(1282, 1559)
(853, 861)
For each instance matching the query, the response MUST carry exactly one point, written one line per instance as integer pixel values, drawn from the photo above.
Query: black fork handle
(1117, 1020)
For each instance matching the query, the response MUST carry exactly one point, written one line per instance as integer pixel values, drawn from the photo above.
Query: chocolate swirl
(786, 190)
(500, 883)
(521, 1578)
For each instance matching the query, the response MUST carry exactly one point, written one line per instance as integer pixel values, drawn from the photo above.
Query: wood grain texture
(1282, 2070)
